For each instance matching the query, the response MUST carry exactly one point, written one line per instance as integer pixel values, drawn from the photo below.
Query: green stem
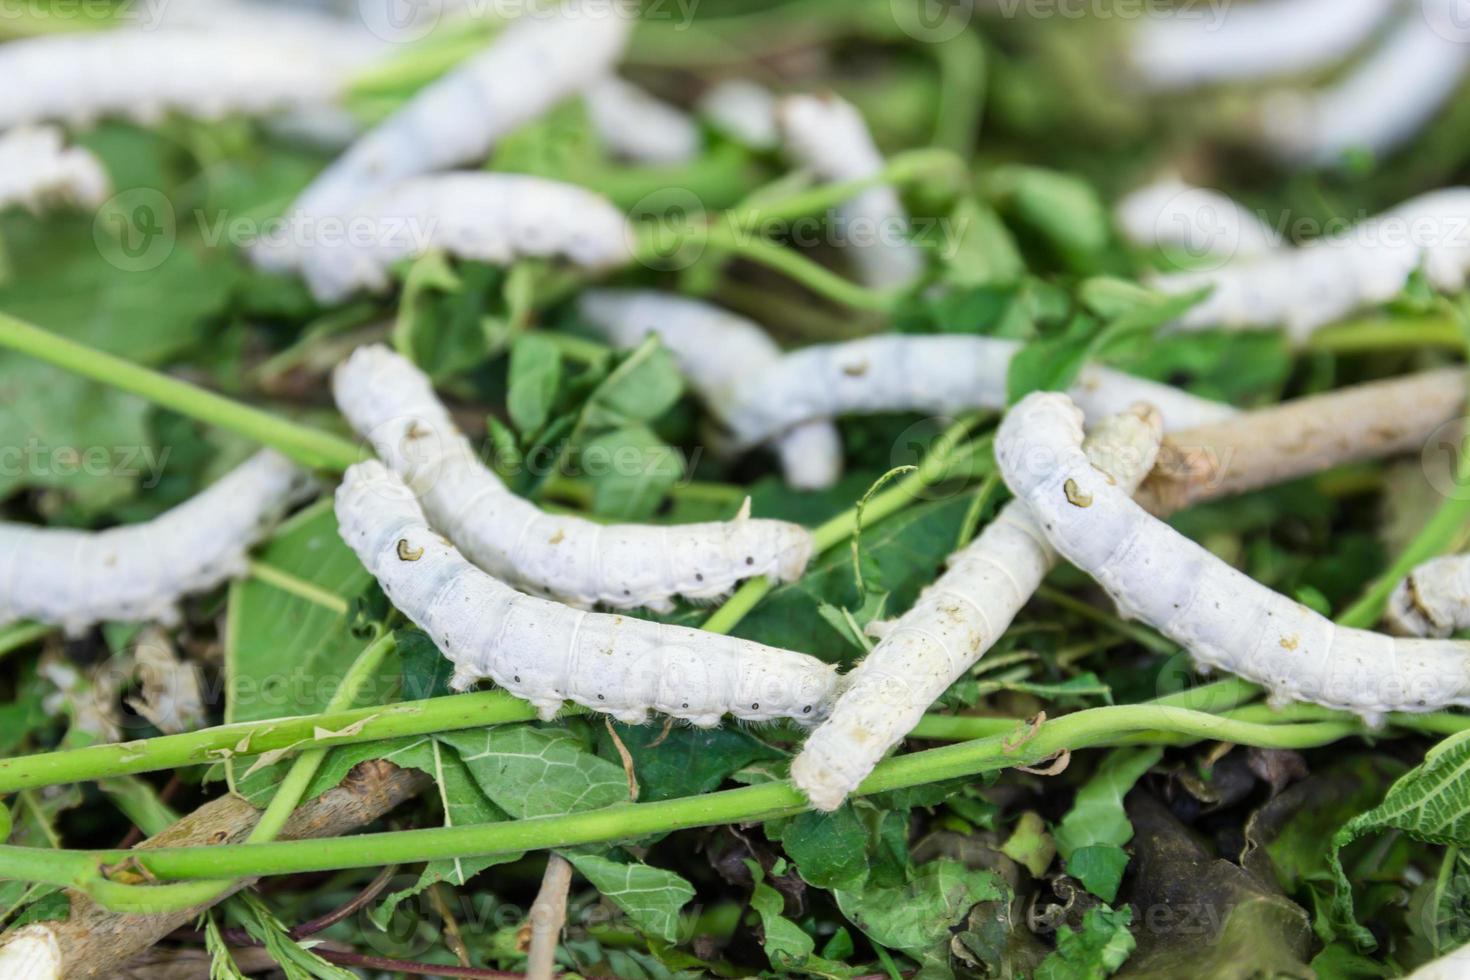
(319, 450)
(18, 636)
(1383, 333)
(961, 92)
(299, 587)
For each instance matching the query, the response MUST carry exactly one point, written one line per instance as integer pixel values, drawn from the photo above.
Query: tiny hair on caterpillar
(939, 374)
(955, 621)
(574, 560)
(715, 349)
(548, 653)
(139, 572)
(1224, 618)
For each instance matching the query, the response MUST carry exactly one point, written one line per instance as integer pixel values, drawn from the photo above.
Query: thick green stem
(18, 636)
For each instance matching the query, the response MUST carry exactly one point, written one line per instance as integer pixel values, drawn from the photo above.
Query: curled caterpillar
(546, 653)
(743, 111)
(491, 217)
(1224, 618)
(637, 126)
(624, 566)
(37, 169)
(715, 349)
(1270, 38)
(1381, 103)
(142, 75)
(954, 622)
(1171, 213)
(75, 579)
(539, 60)
(941, 374)
(827, 135)
(1434, 599)
(1304, 289)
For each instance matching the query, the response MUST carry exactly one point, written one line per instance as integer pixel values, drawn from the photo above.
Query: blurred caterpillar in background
(1205, 223)
(577, 561)
(945, 374)
(951, 626)
(76, 579)
(38, 169)
(1223, 617)
(547, 653)
(638, 127)
(744, 111)
(715, 349)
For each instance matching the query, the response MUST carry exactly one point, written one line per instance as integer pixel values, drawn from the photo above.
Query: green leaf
(1097, 951)
(686, 761)
(1051, 363)
(785, 943)
(830, 850)
(534, 772)
(644, 384)
(983, 251)
(917, 915)
(632, 471)
(1030, 845)
(535, 379)
(651, 897)
(1063, 211)
(1092, 834)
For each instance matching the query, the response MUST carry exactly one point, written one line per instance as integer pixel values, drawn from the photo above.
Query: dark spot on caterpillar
(601, 698)
(749, 560)
(686, 704)
(517, 678)
(807, 710)
(755, 706)
(407, 552)
(699, 576)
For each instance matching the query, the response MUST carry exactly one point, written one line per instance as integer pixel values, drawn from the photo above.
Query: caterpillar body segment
(951, 626)
(1202, 222)
(638, 127)
(1434, 599)
(1224, 618)
(38, 169)
(76, 579)
(548, 653)
(576, 561)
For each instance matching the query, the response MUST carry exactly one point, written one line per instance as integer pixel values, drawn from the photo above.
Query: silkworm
(491, 217)
(637, 126)
(75, 579)
(715, 349)
(1305, 289)
(1224, 618)
(944, 374)
(1381, 103)
(37, 169)
(1272, 38)
(624, 566)
(743, 111)
(1171, 213)
(828, 135)
(547, 653)
(952, 625)
(459, 119)
(1434, 599)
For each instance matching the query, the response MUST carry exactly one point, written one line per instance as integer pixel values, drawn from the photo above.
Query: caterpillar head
(803, 690)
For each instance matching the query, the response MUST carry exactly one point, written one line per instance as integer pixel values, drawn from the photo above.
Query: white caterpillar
(955, 621)
(1306, 288)
(491, 217)
(828, 135)
(639, 127)
(546, 653)
(743, 111)
(1434, 599)
(715, 349)
(37, 169)
(1259, 40)
(75, 579)
(1223, 617)
(536, 62)
(1202, 222)
(1381, 103)
(941, 374)
(576, 561)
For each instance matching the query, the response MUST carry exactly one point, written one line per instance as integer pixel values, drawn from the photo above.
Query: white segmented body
(1223, 617)
(536, 62)
(952, 625)
(744, 111)
(715, 349)
(1381, 103)
(945, 374)
(1434, 599)
(546, 653)
(639, 127)
(75, 579)
(143, 75)
(490, 217)
(1307, 288)
(37, 168)
(829, 136)
(576, 561)
(1259, 40)
(31, 954)
(1171, 213)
